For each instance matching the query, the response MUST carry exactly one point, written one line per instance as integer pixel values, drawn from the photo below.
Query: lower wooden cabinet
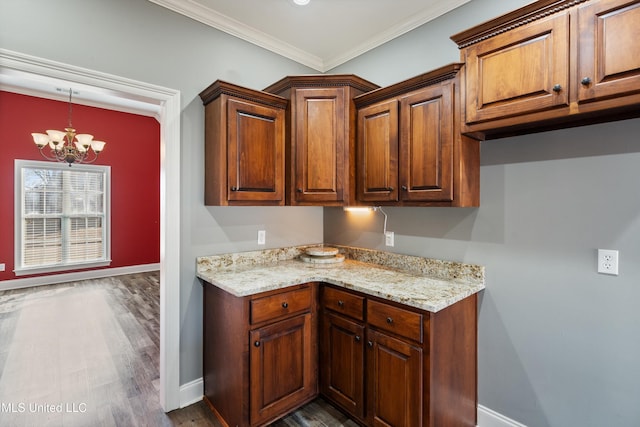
(280, 368)
(394, 378)
(383, 363)
(342, 359)
(260, 353)
(416, 368)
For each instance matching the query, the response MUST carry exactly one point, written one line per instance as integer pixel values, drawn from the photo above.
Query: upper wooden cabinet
(551, 63)
(244, 146)
(409, 148)
(320, 137)
(609, 49)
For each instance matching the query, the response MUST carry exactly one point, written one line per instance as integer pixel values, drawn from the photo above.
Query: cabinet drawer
(274, 306)
(395, 320)
(343, 302)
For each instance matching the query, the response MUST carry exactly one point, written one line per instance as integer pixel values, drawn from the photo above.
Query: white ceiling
(320, 35)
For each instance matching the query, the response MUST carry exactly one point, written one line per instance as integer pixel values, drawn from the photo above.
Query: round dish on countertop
(322, 251)
(330, 259)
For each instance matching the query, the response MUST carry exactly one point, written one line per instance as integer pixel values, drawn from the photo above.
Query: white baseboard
(490, 418)
(191, 392)
(28, 282)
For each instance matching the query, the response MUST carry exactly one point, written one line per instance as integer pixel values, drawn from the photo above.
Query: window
(62, 216)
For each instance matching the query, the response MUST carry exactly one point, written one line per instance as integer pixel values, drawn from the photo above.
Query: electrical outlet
(608, 261)
(262, 237)
(2, 267)
(388, 238)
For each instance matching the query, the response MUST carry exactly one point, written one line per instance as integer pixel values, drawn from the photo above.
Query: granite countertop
(423, 283)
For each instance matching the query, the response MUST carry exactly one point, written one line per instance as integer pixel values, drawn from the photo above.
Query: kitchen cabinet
(409, 149)
(342, 350)
(244, 146)
(394, 366)
(320, 137)
(260, 353)
(417, 368)
(609, 52)
(551, 64)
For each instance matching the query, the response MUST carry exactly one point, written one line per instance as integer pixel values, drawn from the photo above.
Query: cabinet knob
(234, 188)
(299, 190)
(257, 343)
(389, 320)
(370, 343)
(389, 188)
(586, 81)
(557, 88)
(285, 305)
(341, 303)
(357, 338)
(404, 188)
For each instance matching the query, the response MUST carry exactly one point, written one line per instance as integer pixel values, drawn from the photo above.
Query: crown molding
(245, 32)
(242, 31)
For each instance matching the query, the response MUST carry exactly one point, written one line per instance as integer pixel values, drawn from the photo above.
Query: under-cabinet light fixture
(366, 209)
(301, 2)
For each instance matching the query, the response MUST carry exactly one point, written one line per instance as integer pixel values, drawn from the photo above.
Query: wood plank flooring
(87, 354)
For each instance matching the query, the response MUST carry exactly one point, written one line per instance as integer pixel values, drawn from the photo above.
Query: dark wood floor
(87, 354)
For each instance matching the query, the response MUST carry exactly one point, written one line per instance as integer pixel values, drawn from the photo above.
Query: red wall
(132, 151)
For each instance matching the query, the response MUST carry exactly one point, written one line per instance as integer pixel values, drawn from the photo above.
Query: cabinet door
(377, 150)
(521, 71)
(426, 144)
(255, 153)
(342, 364)
(320, 148)
(394, 382)
(609, 51)
(281, 368)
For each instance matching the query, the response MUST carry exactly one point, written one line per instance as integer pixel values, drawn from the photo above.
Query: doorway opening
(36, 76)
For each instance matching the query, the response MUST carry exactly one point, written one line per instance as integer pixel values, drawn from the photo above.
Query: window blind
(64, 215)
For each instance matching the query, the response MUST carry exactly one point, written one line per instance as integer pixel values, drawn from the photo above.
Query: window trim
(19, 270)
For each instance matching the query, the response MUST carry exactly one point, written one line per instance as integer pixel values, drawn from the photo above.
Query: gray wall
(142, 41)
(558, 343)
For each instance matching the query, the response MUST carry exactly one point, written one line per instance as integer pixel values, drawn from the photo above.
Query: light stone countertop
(423, 283)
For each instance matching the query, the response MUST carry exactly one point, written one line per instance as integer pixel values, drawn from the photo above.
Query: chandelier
(63, 147)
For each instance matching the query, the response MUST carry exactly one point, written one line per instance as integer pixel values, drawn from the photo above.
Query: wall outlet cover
(608, 261)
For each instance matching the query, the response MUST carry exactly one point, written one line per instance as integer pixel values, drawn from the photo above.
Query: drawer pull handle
(370, 343)
(341, 303)
(586, 81)
(557, 88)
(285, 305)
(389, 320)
(257, 343)
(357, 338)
(404, 188)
